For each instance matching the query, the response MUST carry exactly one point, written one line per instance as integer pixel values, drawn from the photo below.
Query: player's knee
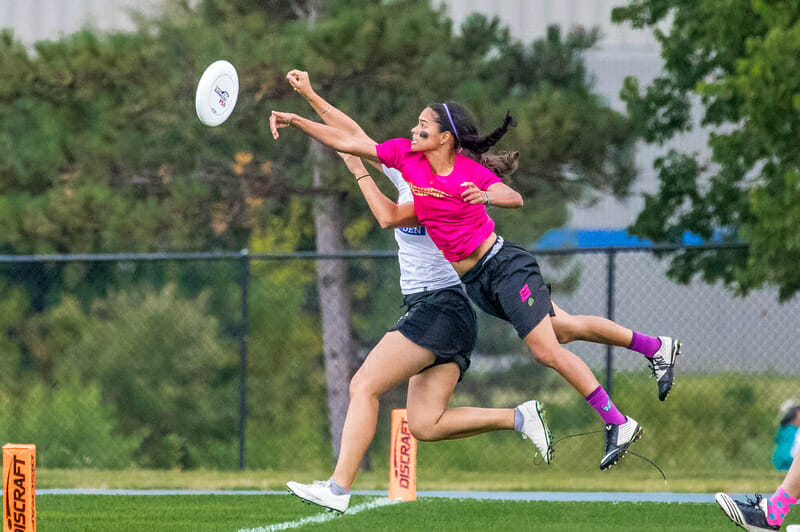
(566, 329)
(423, 430)
(564, 335)
(361, 385)
(547, 357)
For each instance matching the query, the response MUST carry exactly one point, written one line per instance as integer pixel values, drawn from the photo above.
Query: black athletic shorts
(443, 321)
(508, 284)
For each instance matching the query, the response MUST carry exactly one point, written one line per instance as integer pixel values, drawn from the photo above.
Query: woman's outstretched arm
(337, 139)
(331, 115)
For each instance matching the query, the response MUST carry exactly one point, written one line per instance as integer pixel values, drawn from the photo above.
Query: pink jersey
(456, 227)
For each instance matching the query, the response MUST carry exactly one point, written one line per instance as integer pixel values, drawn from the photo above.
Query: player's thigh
(391, 362)
(429, 393)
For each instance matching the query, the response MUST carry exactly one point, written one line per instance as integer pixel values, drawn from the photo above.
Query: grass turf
(200, 513)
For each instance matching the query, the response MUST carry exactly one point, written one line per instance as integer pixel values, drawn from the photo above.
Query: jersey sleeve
(484, 178)
(390, 153)
(394, 175)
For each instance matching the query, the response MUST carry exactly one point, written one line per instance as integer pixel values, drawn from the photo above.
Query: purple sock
(337, 489)
(518, 420)
(646, 345)
(601, 402)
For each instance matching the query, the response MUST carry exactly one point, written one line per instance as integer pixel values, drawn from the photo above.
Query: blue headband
(455, 131)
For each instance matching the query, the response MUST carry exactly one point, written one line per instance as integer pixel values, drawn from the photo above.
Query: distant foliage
(161, 367)
(70, 425)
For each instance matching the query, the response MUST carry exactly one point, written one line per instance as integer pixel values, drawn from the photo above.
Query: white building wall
(529, 19)
(35, 20)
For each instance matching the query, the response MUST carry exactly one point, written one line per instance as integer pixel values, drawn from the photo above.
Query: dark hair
(464, 130)
(790, 415)
(503, 163)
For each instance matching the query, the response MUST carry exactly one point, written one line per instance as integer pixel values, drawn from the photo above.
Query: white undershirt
(422, 265)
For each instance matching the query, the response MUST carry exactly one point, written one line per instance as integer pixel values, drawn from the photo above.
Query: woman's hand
(473, 194)
(279, 120)
(299, 80)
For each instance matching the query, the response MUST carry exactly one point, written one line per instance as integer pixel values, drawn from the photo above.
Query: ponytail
(483, 145)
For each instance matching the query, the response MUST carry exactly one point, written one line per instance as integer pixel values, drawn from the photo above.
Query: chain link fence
(218, 361)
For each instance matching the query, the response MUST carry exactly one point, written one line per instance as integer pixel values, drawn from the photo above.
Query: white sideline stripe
(321, 518)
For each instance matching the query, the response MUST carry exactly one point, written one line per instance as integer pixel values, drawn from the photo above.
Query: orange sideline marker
(19, 487)
(403, 459)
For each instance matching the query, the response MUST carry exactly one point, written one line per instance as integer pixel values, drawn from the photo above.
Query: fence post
(610, 315)
(244, 279)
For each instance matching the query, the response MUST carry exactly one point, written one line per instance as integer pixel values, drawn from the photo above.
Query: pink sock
(601, 402)
(778, 506)
(646, 345)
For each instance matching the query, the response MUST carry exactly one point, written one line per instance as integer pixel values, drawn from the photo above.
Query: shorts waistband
(410, 299)
(473, 272)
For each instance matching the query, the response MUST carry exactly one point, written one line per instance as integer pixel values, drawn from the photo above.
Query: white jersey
(422, 265)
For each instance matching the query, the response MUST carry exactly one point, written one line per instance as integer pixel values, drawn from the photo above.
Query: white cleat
(535, 429)
(320, 493)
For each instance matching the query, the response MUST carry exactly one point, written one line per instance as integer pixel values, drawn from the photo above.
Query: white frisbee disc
(216, 93)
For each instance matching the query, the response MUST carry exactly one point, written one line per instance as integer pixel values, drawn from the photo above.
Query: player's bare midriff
(467, 263)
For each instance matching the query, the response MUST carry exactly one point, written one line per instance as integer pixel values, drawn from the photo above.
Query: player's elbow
(517, 202)
(387, 219)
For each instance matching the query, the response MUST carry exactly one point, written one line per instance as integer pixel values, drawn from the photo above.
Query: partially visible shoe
(319, 492)
(662, 364)
(618, 439)
(535, 429)
(750, 515)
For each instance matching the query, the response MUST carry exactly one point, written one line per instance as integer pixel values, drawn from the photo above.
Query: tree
(738, 59)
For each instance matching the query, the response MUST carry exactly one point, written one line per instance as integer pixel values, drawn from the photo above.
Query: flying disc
(216, 93)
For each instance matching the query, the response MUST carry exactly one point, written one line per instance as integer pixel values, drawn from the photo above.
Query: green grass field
(230, 513)
(168, 513)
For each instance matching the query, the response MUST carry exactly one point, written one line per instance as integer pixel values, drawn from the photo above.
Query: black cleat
(750, 515)
(662, 364)
(618, 439)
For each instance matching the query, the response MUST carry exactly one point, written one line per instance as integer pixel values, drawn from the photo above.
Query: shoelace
(661, 364)
(755, 502)
(552, 450)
